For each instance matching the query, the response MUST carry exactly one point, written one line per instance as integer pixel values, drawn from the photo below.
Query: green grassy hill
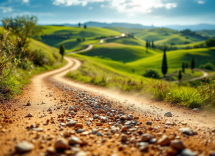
(163, 35)
(210, 33)
(56, 35)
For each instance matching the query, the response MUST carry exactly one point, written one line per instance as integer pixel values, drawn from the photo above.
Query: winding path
(90, 46)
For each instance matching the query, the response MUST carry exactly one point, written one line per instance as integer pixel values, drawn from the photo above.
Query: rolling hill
(164, 35)
(74, 38)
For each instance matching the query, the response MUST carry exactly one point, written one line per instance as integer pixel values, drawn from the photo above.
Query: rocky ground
(52, 118)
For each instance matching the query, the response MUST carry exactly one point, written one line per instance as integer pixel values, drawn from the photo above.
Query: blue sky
(146, 12)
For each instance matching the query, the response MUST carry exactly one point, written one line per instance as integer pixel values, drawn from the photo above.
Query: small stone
(143, 146)
(113, 130)
(62, 124)
(24, 146)
(164, 141)
(188, 152)
(146, 137)
(124, 138)
(70, 108)
(168, 123)
(61, 143)
(99, 134)
(168, 114)
(153, 140)
(94, 131)
(74, 140)
(124, 128)
(124, 117)
(80, 130)
(51, 150)
(88, 123)
(213, 130)
(195, 109)
(177, 144)
(28, 103)
(187, 131)
(81, 153)
(30, 115)
(79, 125)
(33, 125)
(71, 123)
(148, 123)
(95, 116)
(38, 129)
(72, 113)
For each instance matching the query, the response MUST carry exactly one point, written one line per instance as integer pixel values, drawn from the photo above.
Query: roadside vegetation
(94, 72)
(21, 56)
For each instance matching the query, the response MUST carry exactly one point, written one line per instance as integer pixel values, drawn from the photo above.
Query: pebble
(24, 146)
(94, 131)
(186, 130)
(188, 152)
(38, 129)
(62, 124)
(177, 144)
(51, 150)
(71, 123)
(124, 138)
(30, 115)
(79, 125)
(95, 116)
(146, 137)
(70, 108)
(88, 123)
(99, 134)
(143, 146)
(61, 143)
(213, 130)
(195, 109)
(168, 114)
(149, 123)
(72, 113)
(168, 123)
(164, 141)
(74, 140)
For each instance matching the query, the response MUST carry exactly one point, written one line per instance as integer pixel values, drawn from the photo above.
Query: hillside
(210, 33)
(74, 38)
(164, 35)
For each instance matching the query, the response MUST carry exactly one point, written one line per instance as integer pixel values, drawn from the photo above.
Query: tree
(83, 39)
(31, 30)
(147, 45)
(179, 75)
(62, 50)
(79, 25)
(153, 46)
(186, 65)
(210, 42)
(85, 26)
(192, 64)
(183, 67)
(164, 63)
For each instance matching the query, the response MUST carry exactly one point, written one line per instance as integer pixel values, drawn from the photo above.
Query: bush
(208, 66)
(151, 73)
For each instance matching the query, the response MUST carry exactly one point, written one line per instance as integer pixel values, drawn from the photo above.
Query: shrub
(151, 73)
(208, 66)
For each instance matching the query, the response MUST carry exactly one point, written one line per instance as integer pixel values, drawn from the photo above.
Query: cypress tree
(153, 44)
(79, 25)
(192, 64)
(149, 44)
(62, 50)
(179, 75)
(183, 67)
(164, 63)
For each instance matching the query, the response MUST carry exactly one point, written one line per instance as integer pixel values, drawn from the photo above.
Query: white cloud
(25, 1)
(128, 6)
(201, 2)
(143, 6)
(102, 6)
(75, 2)
(6, 9)
(90, 8)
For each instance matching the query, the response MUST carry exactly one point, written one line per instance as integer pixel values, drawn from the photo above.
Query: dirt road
(71, 118)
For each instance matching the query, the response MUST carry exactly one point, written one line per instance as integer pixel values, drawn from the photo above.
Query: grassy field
(57, 35)
(100, 74)
(162, 35)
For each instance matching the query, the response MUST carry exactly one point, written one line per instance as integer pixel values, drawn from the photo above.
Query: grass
(97, 73)
(162, 35)
(91, 35)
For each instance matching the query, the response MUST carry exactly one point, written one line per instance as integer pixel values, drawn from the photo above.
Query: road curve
(90, 46)
(205, 74)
